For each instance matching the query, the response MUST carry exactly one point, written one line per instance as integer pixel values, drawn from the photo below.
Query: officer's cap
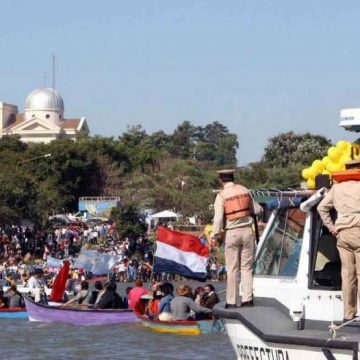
(352, 164)
(226, 174)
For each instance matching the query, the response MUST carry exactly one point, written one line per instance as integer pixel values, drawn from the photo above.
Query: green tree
(128, 221)
(183, 140)
(12, 143)
(289, 148)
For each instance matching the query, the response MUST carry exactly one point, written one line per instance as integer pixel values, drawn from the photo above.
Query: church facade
(43, 118)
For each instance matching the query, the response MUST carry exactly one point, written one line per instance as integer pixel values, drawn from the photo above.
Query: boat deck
(271, 322)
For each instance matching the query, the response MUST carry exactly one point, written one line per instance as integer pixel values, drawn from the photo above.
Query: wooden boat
(182, 327)
(77, 316)
(13, 313)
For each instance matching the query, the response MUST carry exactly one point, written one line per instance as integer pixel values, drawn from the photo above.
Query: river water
(40, 341)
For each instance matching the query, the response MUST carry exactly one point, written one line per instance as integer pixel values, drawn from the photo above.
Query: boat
(182, 327)
(77, 316)
(27, 291)
(298, 312)
(13, 313)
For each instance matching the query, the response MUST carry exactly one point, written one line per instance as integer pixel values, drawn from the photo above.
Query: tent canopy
(164, 214)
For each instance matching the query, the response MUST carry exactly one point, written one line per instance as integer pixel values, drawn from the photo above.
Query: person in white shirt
(37, 281)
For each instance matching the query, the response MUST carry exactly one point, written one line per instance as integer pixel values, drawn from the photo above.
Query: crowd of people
(163, 305)
(25, 260)
(22, 250)
(160, 303)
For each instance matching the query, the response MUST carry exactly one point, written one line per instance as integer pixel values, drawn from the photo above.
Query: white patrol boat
(298, 310)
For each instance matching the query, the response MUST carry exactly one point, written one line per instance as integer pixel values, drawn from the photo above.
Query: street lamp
(32, 159)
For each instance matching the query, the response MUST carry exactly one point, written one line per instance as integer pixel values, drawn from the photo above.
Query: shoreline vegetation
(147, 171)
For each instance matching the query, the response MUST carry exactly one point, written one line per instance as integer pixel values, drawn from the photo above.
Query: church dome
(44, 99)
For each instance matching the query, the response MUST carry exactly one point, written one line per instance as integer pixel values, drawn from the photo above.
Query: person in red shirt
(136, 293)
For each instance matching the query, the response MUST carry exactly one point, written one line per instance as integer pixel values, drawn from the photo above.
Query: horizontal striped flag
(179, 253)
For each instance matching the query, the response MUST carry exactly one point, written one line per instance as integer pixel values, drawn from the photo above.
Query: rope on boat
(333, 328)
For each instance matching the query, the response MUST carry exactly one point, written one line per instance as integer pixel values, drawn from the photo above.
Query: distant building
(43, 118)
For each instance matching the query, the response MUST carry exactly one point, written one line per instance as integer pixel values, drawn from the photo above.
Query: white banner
(95, 262)
(53, 262)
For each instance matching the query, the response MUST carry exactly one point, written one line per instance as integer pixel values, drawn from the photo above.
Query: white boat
(36, 293)
(298, 310)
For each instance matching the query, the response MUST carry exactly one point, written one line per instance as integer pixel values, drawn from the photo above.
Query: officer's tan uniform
(345, 198)
(239, 250)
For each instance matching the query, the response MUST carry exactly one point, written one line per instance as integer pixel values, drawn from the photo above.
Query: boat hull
(85, 317)
(249, 346)
(15, 313)
(193, 328)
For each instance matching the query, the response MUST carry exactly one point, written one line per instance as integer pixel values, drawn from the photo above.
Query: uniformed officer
(233, 209)
(344, 197)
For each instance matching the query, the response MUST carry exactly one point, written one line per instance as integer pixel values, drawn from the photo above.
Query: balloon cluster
(335, 160)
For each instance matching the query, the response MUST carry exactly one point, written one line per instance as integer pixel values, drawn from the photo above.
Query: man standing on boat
(234, 208)
(344, 197)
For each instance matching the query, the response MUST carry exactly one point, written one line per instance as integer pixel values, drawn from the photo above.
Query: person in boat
(234, 210)
(136, 293)
(82, 297)
(3, 300)
(182, 304)
(15, 298)
(199, 293)
(126, 297)
(164, 308)
(9, 280)
(209, 298)
(190, 293)
(152, 308)
(37, 281)
(109, 298)
(344, 197)
(95, 293)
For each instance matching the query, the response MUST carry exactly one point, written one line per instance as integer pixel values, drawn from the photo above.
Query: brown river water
(39, 341)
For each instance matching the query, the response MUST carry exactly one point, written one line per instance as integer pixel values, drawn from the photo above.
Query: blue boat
(14, 313)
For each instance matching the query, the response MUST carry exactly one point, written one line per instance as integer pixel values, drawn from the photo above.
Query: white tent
(164, 214)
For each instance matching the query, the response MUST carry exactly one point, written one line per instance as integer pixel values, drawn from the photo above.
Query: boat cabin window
(325, 265)
(280, 252)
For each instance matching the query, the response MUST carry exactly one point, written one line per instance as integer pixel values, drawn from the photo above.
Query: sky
(259, 67)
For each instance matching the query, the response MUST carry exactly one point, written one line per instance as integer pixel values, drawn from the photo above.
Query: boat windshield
(280, 252)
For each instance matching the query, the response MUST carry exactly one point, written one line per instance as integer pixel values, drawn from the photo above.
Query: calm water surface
(39, 341)
(24, 340)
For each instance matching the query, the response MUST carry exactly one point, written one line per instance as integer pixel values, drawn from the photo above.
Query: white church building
(43, 118)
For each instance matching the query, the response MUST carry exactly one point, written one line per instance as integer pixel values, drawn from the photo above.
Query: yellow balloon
(344, 159)
(331, 166)
(318, 166)
(311, 172)
(337, 167)
(305, 173)
(311, 183)
(334, 154)
(341, 145)
(325, 160)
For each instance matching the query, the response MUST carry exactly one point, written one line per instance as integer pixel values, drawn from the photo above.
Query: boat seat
(330, 275)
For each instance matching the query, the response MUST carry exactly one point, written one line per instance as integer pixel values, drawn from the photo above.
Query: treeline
(154, 171)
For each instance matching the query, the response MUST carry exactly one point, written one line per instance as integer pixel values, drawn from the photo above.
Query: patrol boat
(298, 312)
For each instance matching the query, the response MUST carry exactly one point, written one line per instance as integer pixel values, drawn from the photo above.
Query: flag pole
(152, 266)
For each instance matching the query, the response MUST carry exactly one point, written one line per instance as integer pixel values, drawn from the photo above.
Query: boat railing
(281, 193)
